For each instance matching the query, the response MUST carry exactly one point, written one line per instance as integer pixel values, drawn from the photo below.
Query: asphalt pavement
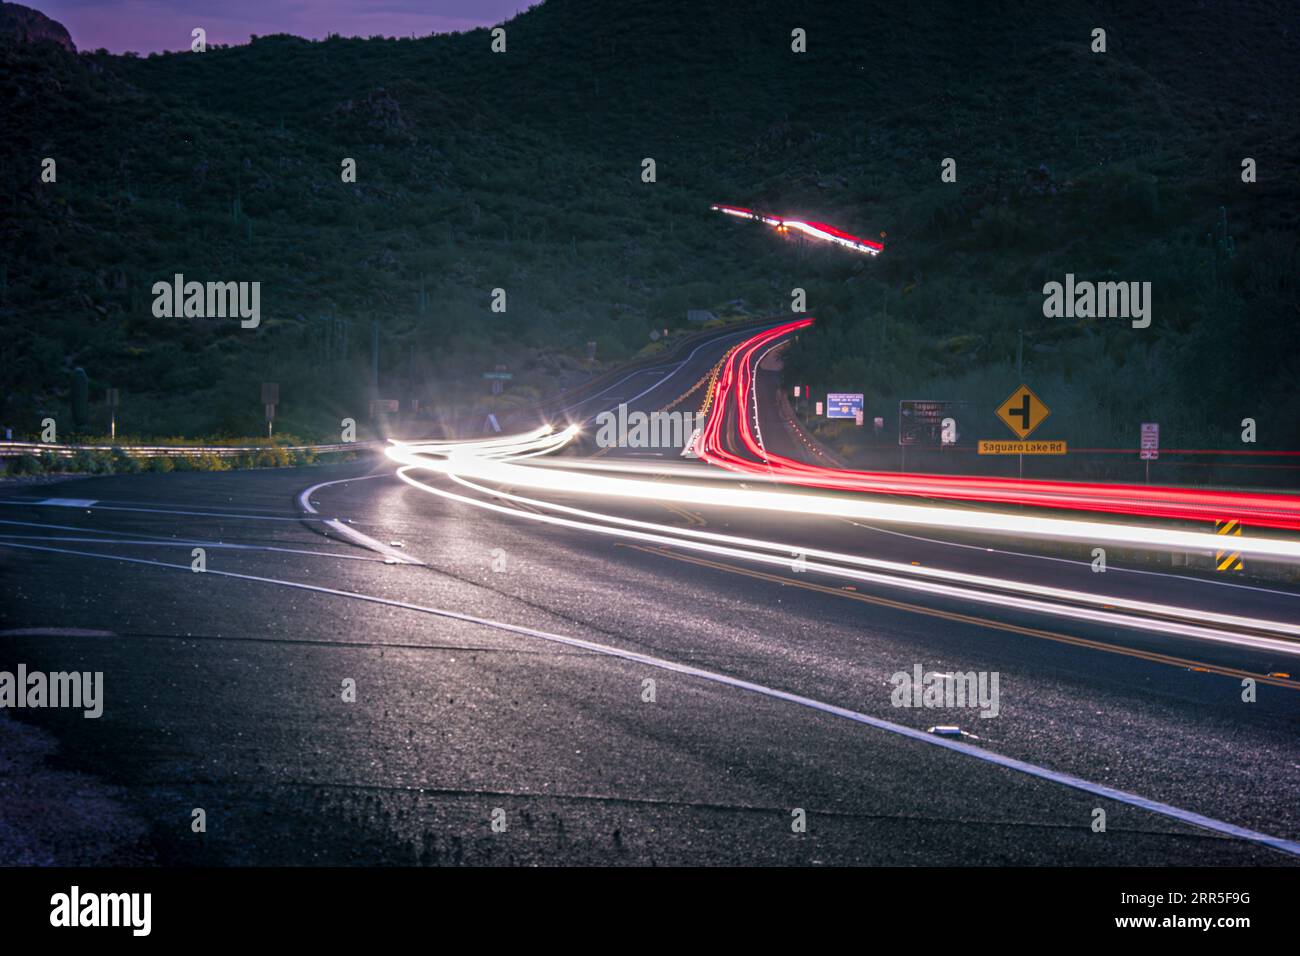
(534, 694)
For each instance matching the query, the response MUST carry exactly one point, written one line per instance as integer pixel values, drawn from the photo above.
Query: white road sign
(1150, 441)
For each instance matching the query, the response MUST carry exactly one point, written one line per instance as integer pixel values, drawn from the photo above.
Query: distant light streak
(818, 230)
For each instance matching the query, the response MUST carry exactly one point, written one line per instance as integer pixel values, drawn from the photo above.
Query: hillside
(23, 25)
(522, 171)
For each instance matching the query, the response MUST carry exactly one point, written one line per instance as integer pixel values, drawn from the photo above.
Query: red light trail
(733, 395)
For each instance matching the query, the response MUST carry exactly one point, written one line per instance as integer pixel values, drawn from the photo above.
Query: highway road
(536, 685)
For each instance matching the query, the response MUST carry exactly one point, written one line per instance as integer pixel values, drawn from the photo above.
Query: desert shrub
(25, 465)
(88, 462)
(211, 462)
(124, 464)
(274, 457)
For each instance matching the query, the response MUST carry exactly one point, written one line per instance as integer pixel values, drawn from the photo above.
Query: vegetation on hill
(522, 171)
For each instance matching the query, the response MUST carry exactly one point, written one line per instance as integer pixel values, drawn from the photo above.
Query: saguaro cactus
(80, 398)
(1222, 247)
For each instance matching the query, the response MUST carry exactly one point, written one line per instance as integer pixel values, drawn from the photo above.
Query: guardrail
(13, 449)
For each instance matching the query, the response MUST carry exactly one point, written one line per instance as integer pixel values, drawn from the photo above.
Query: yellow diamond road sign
(1023, 411)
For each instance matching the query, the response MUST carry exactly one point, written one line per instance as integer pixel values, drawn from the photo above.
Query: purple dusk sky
(146, 26)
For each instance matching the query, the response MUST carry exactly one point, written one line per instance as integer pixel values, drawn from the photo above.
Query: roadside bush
(271, 458)
(211, 462)
(91, 462)
(25, 465)
(124, 464)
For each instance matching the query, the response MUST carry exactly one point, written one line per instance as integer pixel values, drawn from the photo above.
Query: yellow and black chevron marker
(1228, 560)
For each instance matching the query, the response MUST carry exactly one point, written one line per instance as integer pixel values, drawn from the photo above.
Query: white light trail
(468, 468)
(466, 460)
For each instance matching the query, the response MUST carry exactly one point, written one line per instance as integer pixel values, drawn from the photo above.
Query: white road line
(99, 531)
(680, 365)
(56, 632)
(165, 511)
(242, 509)
(343, 530)
(181, 543)
(351, 534)
(1042, 773)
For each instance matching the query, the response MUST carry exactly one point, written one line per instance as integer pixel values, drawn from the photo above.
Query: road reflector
(987, 447)
(1023, 411)
(1228, 560)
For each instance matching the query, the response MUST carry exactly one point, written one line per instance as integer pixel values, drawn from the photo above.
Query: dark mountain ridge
(521, 171)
